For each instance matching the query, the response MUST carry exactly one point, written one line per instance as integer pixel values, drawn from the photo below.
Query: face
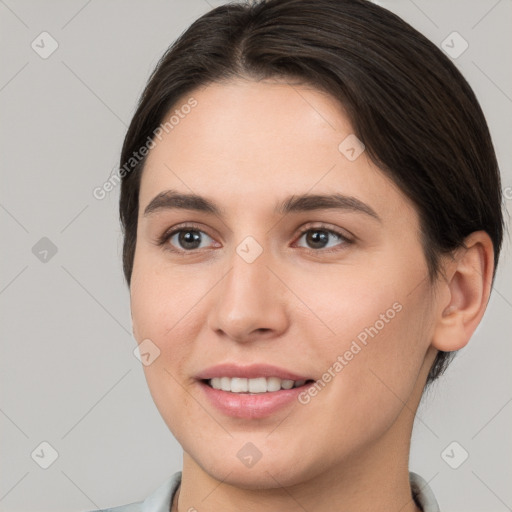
(332, 292)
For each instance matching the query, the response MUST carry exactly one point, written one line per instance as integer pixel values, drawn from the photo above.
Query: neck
(374, 479)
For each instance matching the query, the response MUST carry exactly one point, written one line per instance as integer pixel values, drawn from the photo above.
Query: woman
(312, 220)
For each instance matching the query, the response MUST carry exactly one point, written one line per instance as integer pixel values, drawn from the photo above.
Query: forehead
(255, 122)
(246, 141)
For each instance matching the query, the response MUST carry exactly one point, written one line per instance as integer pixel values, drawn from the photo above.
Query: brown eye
(185, 239)
(322, 238)
(189, 239)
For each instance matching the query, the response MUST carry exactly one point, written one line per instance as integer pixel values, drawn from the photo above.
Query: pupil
(190, 237)
(317, 238)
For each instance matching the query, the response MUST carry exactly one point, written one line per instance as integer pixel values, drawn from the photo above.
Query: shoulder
(159, 500)
(132, 507)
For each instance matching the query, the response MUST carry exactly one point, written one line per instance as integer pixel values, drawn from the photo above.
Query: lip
(251, 406)
(247, 405)
(249, 372)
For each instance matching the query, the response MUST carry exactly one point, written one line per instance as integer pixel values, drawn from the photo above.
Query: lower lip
(246, 405)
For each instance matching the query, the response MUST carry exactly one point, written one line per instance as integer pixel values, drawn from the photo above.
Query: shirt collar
(422, 493)
(160, 500)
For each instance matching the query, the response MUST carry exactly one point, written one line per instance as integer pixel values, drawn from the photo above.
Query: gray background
(68, 373)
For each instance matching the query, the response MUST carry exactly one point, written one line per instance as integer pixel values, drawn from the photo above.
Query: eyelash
(165, 237)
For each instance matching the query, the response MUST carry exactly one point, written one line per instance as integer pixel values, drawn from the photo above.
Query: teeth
(225, 383)
(239, 385)
(273, 384)
(257, 385)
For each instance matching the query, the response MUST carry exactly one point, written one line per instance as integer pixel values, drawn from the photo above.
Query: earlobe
(467, 286)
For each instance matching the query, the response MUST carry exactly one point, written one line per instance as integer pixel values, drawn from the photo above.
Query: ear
(465, 292)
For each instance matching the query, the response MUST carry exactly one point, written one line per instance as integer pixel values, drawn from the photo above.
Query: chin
(270, 475)
(274, 470)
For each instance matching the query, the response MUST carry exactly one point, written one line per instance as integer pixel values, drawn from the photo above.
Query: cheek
(162, 301)
(380, 364)
(169, 308)
(158, 308)
(381, 333)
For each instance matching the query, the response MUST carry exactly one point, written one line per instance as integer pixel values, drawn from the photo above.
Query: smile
(255, 385)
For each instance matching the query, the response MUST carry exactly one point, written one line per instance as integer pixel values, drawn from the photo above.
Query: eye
(190, 238)
(320, 238)
(185, 239)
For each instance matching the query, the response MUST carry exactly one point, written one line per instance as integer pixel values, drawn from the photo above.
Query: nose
(249, 302)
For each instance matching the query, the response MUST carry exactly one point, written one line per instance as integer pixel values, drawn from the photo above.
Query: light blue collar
(160, 500)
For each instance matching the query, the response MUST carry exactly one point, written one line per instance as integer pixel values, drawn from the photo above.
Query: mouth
(251, 391)
(254, 386)
(252, 398)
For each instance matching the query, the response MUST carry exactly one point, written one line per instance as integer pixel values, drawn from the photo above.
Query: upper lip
(249, 371)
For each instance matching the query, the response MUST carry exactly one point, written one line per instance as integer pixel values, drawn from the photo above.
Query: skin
(245, 146)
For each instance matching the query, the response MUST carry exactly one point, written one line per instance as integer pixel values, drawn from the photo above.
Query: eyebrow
(171, 199)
